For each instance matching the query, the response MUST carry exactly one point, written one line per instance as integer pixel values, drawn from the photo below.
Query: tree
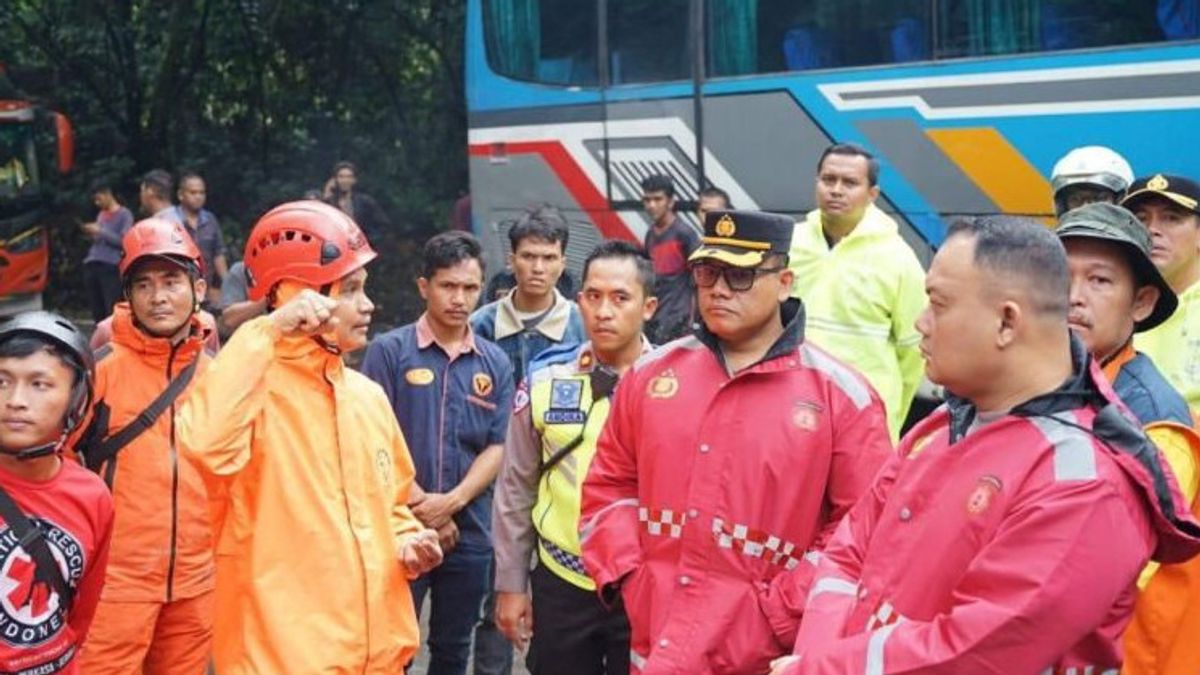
(259, 96)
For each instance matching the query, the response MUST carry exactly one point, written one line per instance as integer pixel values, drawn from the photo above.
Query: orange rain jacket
(162, 538)
(316, 476)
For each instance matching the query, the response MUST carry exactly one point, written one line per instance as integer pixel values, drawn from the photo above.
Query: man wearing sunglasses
(727, 459)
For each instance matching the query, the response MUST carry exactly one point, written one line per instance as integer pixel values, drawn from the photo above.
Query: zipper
(174, 455)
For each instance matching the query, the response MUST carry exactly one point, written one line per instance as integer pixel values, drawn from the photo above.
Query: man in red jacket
(57, 516)
(727, 460)
(1008, 532)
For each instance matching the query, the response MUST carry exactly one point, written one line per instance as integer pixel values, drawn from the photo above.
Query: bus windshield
(18, 161)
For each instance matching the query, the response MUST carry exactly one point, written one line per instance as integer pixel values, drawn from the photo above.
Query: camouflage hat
(1109, 222)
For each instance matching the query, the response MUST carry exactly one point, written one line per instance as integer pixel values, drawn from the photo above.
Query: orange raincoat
(316, 476)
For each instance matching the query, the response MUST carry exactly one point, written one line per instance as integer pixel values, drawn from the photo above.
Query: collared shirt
(451, 407)
(206, 233)
(501, 322)
(107, 247)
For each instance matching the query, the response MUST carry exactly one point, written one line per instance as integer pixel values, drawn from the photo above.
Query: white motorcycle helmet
(1091, 165)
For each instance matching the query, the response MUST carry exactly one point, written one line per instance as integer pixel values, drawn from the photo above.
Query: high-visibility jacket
(862, 298)
(162, 546)
(1174, 346)
(554, 409)
(316, 476)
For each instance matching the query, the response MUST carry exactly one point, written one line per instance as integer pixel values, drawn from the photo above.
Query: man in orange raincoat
(315, 543)
(155, 614)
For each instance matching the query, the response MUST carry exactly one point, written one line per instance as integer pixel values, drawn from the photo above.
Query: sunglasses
(736, 278)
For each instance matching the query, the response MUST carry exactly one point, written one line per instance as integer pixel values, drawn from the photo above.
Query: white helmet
(1090, 165)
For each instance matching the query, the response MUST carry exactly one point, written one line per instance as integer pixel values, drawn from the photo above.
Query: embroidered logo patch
(482, 384)
(419, 376)
(664, 386)
(983, 495)
(806, 415)
(725, 227)
(566, 394)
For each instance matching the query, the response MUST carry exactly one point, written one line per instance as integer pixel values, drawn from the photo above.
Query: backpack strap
(99, 450)
(31, 538)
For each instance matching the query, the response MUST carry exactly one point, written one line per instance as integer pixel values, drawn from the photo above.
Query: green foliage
(259, 96)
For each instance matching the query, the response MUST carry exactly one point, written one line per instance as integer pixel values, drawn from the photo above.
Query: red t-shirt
(37, 634)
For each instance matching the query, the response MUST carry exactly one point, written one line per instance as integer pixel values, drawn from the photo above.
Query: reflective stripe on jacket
(711, 495)
(862, 298)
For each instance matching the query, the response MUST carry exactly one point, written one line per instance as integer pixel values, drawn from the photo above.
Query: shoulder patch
(104, 351)
(521, 398)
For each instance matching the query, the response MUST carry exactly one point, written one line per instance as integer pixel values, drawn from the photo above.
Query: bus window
(764, 36)
(648, 40)
(986, 27)
(550, 41)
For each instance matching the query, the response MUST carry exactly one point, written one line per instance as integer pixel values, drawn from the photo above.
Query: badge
(725, 227)
(982, 496)
(585, 360)
(664, 386)
(566, 394)
(1158, 183)
(521, 398)
(419, 376)
(482, 383)
(565, 417)
(31, 610)
(806, 415)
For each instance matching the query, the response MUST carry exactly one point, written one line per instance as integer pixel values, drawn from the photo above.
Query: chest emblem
(664, 386)
(566, 394)
(983, 495)
(31, 610)
(806, 415)
(383, 464)
(419, 376)
(482, 384)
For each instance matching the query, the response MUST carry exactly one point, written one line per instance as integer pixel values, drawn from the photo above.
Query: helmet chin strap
(43, 450)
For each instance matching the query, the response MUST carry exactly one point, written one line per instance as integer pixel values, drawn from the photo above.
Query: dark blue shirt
(450, 408)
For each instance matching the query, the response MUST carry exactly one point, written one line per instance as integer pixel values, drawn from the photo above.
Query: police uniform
(558, 415)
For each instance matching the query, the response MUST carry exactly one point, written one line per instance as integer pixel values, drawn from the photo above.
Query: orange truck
(26, 172)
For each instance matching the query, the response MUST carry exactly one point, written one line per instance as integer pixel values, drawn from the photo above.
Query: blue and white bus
(968, 103)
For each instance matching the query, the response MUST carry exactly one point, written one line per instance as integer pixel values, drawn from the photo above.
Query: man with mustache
(1116, 291)
(727, 460)
(451, 391)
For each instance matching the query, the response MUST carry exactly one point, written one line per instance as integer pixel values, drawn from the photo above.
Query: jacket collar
(792, 314)
(553, 325)
(156, 350)
(1077, 391)
(305, 353)
(425, 338)
(874, 223)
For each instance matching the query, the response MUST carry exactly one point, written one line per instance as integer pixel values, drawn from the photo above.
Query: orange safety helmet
(160, 238)
(306, 241)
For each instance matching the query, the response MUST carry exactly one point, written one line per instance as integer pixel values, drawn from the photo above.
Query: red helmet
(307, 241)
(162, 238)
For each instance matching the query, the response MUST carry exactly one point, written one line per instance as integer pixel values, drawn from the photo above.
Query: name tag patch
(565, 417)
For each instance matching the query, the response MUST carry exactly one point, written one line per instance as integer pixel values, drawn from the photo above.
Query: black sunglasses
(736, 278)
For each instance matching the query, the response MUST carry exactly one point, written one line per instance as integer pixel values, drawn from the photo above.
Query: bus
(967, 103)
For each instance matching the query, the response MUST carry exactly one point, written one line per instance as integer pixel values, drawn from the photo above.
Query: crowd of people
(697, 462)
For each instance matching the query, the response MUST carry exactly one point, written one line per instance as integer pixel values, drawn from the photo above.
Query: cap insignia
(1158, 183)
(725, 227)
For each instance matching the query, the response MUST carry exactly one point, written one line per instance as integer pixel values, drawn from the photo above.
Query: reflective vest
(562, 411)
